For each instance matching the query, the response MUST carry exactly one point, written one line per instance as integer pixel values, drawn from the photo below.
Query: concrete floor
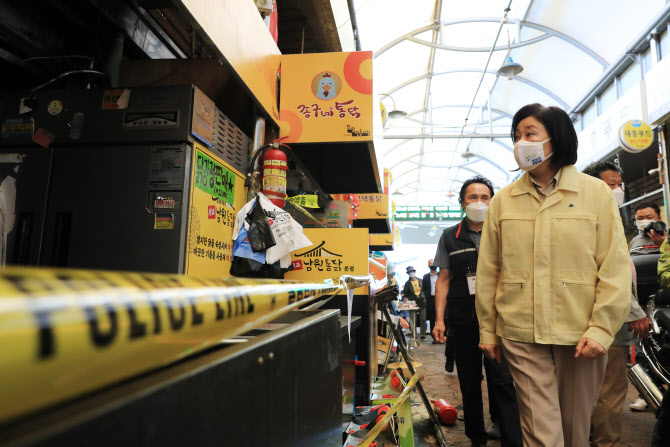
(438, 384)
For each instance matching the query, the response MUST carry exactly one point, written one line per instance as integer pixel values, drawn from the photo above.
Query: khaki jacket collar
(569, 181)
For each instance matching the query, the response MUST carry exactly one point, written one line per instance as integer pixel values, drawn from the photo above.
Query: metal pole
(259, 141)
(354, 24)
(438, 136)
(663, 166)
(433, 418)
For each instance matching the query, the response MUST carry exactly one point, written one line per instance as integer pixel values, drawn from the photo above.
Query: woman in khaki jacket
(553, 280)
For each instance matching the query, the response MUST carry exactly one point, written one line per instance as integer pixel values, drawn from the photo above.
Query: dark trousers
(662, 429)
(430, 311)
(502, 396)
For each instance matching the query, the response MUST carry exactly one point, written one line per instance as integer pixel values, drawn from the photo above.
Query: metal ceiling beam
(397, 145)
(413, 182)
(509, 149)
(502, 112)
(500, 143)
(448, 136)
(478, 123)
(478, 156)
(495, 165)
(528, 82)
(480, 49)
(536, 26)
(440, 178)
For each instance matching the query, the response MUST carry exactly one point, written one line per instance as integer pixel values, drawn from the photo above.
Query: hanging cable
(474, 98)
(69, 73)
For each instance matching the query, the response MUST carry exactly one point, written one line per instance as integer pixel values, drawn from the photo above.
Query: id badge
(472, 281)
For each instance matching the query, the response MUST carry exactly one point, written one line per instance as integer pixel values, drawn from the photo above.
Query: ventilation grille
(231, 143)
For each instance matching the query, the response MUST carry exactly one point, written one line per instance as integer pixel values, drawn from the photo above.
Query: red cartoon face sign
(326, 85)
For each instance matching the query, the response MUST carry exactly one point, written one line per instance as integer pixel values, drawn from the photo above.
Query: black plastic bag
(260, 234)
(249, 268)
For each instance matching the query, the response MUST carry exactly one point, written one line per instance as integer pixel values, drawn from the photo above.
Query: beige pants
(557, 392)
(606, 423)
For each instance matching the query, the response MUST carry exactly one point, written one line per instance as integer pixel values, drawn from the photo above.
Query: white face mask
(642, 224)
(412, 275)
(529, 154)
(618, 195)
(476, 211)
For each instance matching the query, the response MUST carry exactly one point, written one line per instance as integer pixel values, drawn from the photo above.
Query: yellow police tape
(307, 200)
(372, 434)
(66, 332)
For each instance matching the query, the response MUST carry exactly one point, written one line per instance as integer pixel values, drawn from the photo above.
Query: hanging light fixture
(467, 154)
(394, 114)
(509, 68)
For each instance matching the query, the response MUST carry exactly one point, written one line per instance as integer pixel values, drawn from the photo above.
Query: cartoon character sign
(326, 85)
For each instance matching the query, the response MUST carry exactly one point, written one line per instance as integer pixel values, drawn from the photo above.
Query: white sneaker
(639, 405)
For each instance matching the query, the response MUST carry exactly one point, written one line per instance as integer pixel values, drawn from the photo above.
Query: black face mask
(433, 268)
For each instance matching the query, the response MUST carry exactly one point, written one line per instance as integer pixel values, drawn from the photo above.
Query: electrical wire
(72, 56)
(66, 74)
(474, 98)
(167, 75)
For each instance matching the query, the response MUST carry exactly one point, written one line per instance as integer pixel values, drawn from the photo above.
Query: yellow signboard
(336, 252)
(327, 97)
(239, 34)
(376, 206)
(217, 192)
(373, 206)
(382, 240)
(635, 136)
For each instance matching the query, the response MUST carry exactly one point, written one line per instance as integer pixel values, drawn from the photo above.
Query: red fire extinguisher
(274, 176)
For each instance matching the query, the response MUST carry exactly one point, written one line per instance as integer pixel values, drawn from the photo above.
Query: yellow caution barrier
(372, 434)
(67, 332)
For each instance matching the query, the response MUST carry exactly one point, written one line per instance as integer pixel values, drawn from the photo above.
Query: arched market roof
(438, 60)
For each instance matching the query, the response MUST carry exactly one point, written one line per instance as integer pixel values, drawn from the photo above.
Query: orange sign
(378, 263)
(327, 97)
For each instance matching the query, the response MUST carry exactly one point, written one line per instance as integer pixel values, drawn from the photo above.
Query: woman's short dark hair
(560, 130)
(470, 181)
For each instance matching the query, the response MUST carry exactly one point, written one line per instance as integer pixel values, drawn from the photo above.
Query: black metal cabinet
(281, 388)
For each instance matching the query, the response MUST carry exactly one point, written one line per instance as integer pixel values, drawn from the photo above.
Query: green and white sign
(214, 179)
(414, 213)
